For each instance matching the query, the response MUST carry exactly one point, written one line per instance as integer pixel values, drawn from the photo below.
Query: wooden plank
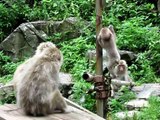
(83, 109)
(11, 112)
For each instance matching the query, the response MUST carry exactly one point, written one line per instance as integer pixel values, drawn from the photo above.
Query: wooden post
(99, 67)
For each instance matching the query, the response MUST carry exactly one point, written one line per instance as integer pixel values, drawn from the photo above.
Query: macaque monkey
(38, 82)
(121, 71)
(23, 66)
(43, 46)
(122, 76)
(107, 40)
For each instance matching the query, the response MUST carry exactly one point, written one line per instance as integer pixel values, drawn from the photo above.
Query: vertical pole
(99, 6)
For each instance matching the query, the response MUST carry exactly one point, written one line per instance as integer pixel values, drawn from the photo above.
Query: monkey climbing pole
(99, 6)
(101, 82)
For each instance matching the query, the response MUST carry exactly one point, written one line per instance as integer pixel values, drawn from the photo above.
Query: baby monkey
(38, 81)
(121, 71)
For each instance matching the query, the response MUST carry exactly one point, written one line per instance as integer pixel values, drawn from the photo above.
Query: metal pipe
(88, 77)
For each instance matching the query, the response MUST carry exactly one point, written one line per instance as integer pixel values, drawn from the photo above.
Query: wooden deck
(11, 112)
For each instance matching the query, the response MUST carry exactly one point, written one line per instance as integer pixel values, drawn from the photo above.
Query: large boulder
(22, 42)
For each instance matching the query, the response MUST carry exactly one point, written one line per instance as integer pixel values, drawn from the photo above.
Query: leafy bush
(9, 68)
(133, 36)
(76, 64)
(152, 112)
(124, 10)
(117, 104)
(45, 10)
(142, 71)
(6, 66)
(154, 55)
(8, 98)
(3, 60)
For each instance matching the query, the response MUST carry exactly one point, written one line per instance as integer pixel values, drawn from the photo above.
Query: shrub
(76, 64)
(142, 71)
(132, 35)
(152, 112)
(117, 104)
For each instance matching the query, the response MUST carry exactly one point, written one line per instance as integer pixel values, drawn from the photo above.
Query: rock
(136, 104)
(137, 89)
(22, 42)
(126, 115)
(65, 78)
(65, 81)
(66, 84)
(145, 94)
(147, 90)
(6, 91)
(1, 85)
(127, 55)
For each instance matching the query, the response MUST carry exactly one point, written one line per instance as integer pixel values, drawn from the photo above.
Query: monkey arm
(120, 82)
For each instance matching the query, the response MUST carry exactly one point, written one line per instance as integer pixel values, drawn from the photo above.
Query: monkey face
(121, 68)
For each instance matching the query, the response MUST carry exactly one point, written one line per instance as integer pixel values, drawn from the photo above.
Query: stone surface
(66, 83)
(158, 5)
(126, 115)
(65, 78)
(22, 42)
(137, 103)
(147, 90)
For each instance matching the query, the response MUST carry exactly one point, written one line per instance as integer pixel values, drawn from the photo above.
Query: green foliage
(45, 10)
(125, 9)
(154, 55)
(74, 52)
(4, 59)
(152, 112)
(145, 72)
(9, 68)
(6, 78)
(76, 64)
(117, 104)
(8, 98)
(6, 66)
(132, 35)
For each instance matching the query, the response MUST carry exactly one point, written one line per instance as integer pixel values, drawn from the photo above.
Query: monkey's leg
(58, 101)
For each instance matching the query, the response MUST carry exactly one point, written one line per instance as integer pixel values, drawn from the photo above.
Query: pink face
(121, 69)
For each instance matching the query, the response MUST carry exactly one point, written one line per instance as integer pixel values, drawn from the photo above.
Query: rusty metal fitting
(88, 77)
(100, 85)
(98, 79)
(101, 95)
(100, 88)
